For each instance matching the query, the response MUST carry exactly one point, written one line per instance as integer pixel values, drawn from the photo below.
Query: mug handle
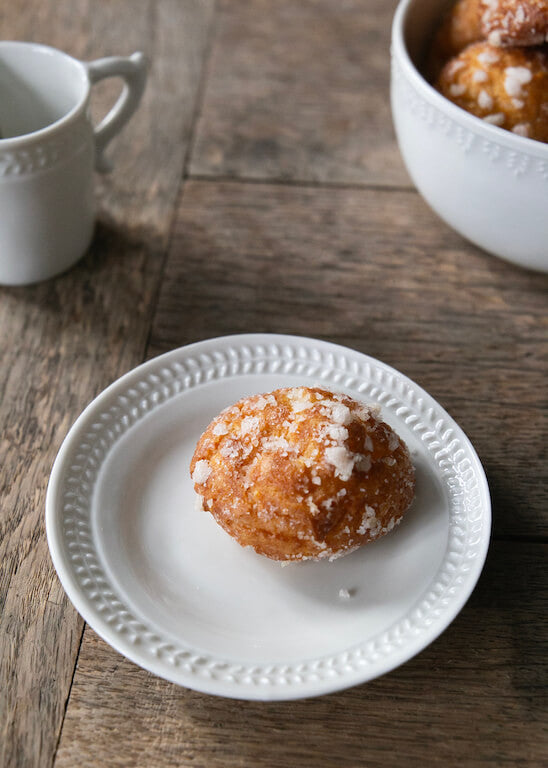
(133, 71)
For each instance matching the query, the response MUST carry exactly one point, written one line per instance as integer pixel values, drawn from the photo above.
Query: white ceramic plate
(169, 589)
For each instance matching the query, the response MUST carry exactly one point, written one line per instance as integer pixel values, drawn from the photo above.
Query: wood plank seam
(198, 103)
(62, 723)
(200, 92)
(298, 183)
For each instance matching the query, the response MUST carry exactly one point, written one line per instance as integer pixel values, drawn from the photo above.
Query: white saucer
(165, 586)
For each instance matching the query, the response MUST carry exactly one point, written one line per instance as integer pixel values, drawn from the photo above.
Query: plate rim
(265, 692)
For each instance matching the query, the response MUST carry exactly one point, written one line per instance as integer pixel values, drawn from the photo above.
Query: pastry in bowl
(507, 87)
(515, 22)
(303, 473)
(487, 183)
(500, 22)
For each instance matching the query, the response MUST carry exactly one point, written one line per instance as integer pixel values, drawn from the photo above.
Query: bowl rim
(471, 122)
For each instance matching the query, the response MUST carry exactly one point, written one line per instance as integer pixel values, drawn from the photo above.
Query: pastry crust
(507, 87)
(515, 22)
(303, 473)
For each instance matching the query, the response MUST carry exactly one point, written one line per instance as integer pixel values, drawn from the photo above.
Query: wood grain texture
(475, 697)
(290, 92)
(375, 270)
(299, 91)
(65, 340)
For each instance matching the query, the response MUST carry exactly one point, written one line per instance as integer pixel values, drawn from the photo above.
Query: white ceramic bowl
(489, 184)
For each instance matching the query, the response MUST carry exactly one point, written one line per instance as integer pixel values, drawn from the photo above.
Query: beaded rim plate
(160, 582)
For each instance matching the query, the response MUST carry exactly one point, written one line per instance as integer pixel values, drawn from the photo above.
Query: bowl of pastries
(469, 95)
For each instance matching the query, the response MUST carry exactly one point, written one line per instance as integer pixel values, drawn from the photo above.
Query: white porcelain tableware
(161, 582)
(489, 184)
(48, 150)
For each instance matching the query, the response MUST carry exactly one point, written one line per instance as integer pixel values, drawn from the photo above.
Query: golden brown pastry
(303, 473)
(515, 22)
(507, 87)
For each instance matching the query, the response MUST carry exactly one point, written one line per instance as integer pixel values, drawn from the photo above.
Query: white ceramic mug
(48, 151)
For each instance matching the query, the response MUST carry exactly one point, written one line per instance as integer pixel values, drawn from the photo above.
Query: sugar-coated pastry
(515, 22)
(507, 87)
(303, 473)
(460, 26)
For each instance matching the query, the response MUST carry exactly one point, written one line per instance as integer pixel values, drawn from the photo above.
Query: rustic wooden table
(259, 188)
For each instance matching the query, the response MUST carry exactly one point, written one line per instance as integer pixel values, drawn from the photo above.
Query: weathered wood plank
(64, 340)
(475, 697)
(378, 271)
(299, 91)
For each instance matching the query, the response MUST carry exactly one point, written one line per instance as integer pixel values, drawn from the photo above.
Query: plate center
(183, 576)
